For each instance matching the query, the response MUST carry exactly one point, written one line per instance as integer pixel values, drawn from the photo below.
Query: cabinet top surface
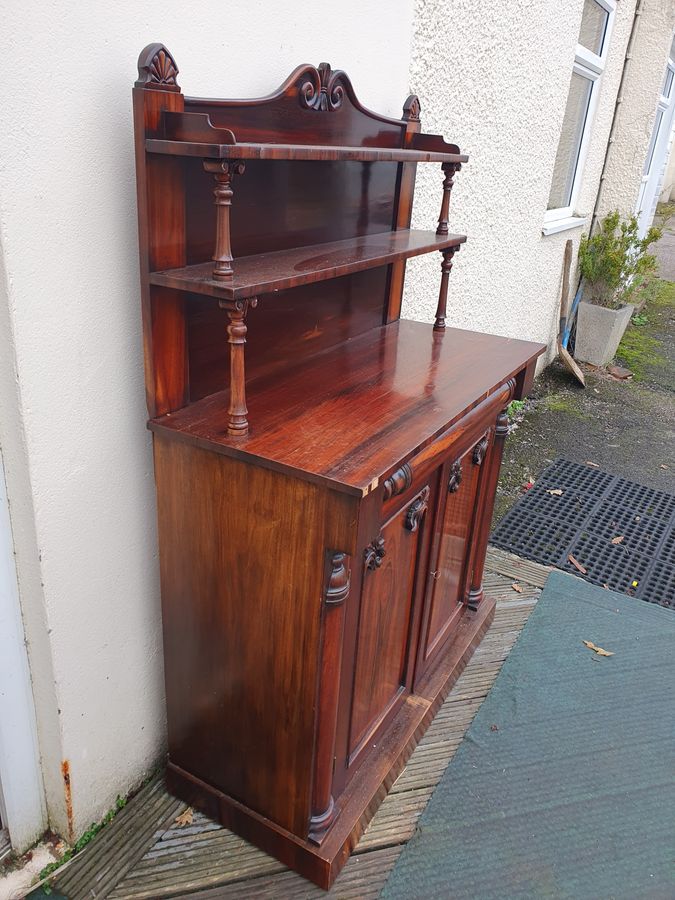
(347, 416)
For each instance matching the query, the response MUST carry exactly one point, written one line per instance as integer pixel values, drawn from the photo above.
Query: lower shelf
(366, 790)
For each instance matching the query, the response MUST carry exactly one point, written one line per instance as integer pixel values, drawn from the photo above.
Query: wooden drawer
(405, 479)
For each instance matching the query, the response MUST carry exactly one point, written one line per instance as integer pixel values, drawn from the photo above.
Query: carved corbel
(337, 589)
(223, 171)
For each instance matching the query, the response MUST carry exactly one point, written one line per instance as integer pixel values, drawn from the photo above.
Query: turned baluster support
(446, 268)
(223, 171)
(449, 170)
(237, 424)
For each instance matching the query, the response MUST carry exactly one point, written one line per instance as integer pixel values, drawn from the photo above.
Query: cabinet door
(391, 565)
(447, 578)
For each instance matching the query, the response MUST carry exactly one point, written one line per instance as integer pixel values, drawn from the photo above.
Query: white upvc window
(589, 63)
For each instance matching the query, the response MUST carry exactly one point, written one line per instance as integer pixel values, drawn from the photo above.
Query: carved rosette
(374, 553)
(479, 451)
(337, 589)
(157, 68)
(455, 478)
(416, 510)
(324, 90)
(412, 108)
(398, 482)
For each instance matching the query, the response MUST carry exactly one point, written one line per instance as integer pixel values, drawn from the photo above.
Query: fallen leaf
(185, 818)
(595, 649)
(663, 467)
(589, 463)
(577, 565)
(619, 372)
(617, 540)
(517, 587)
(555, 492)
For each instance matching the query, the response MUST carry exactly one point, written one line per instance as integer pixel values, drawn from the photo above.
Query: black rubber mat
(586, 521)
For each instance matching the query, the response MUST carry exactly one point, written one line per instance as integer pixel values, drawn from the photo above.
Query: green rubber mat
(564, 786)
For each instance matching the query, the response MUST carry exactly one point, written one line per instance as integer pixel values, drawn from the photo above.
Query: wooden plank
(120, 845)
(515, 566)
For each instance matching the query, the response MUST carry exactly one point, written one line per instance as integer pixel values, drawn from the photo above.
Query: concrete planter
(599, 332)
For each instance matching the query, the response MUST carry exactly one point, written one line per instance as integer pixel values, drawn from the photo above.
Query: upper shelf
(299, 152)
(193, 134)
(282, 269)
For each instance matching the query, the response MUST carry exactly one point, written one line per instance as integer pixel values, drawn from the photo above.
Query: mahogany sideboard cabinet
(325, 470)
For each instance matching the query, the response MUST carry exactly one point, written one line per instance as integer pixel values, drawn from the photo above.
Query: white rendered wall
(635, 118)
(78, 461)
(494, 79)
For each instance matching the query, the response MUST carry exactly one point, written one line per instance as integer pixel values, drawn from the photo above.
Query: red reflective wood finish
(325, 472)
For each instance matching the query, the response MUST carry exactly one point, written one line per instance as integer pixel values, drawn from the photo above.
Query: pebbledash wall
(496, 82)
(72, 406)
(72, 416)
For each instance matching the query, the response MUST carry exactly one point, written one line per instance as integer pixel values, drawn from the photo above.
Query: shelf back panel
(283, 328)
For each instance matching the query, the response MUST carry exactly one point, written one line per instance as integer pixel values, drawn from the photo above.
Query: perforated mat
(622, 533)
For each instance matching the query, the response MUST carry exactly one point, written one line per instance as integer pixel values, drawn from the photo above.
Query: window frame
(591, 66)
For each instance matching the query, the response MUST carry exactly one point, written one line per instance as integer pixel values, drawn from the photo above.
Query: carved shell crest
(157, 67)
(412, 108)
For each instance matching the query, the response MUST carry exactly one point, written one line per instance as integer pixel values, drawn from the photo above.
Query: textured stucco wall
(78, 460)
(496, 82)
(635, 117)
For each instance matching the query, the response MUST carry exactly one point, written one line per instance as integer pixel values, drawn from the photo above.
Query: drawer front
(382, 672)
(447, 580)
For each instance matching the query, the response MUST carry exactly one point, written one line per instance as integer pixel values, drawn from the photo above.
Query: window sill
(563, 224)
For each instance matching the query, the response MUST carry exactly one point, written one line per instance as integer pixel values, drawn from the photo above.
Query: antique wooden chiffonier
(325, 471)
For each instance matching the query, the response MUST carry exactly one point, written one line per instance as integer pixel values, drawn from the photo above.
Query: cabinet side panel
(241, 561)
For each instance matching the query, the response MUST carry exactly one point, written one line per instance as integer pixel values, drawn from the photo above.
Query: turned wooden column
(237, 424)
(446, 268)
(337, 591)
(492, 458)
(449, 170)
(224, 171)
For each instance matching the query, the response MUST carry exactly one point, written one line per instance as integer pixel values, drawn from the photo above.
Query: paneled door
(382, 676)
(446, 588)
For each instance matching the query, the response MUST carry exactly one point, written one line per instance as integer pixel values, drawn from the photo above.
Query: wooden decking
(145, 854)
